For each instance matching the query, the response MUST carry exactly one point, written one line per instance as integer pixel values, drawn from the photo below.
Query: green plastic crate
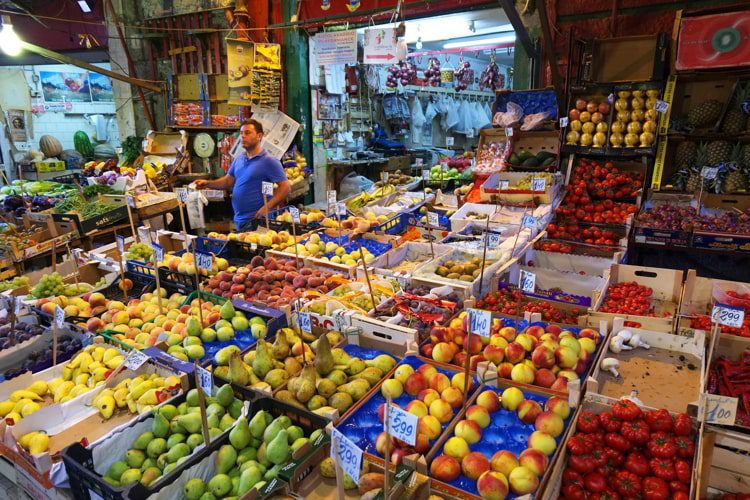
(210, 297)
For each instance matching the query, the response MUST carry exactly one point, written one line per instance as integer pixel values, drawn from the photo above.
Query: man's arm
(224, 183)
(279, 196)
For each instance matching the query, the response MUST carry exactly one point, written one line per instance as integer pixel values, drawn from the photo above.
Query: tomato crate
(697, 303)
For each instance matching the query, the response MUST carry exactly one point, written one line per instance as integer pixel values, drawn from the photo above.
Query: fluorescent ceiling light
(433, 31)
(479, 43)
(84, 5)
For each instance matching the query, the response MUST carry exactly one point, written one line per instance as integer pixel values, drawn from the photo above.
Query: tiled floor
(9, 491)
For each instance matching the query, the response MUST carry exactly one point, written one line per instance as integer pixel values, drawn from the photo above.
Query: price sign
(527, 281)
(481, 322)
(433, 219)
(449, 141)
(528, 221)
(509, 131)
(402, 425)
(728, 315)
(611, 98)
(182, 194)
(403, 281)
(338, 316)
(131, 201)
(719, 409)
(120, 243)
(419, 162)
(444, 166)
(340, 208)
(17, 306)
(493, 240)
(135, 359)
(349, 456)
(205, 260)
(709, 173)
(538, 183)
(295, 214)
(425, 174)
(144, 234)
(267, 188)
(158, 251)
(59, 316)
(304, 322)
(563, 122)
(470, 133)
(204, 377)
(384, 177)
(661, 106)
(331, 195)
(503, 185)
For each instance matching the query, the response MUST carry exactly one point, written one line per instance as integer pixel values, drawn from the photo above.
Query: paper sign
(433, 219)
(205, 260)
(728, 315)
(59, 316)
(509, 131)
(144, 234)
(341, 208)
(131, 201)
(563, 122)
(158, 251)
(331, 197)
(719, 409)
(17, 306)
(661, 106)
(304, 322)
(380, 46)
(444, 166)
(425, 174)
(204, 377)
(527, 281)
(335, 47)
(384, 177)
(349, 456)
(120, 243)
(538, 183)
(611, 98)
(709, 173)
(481, 322)
(493, 240)
(402, 425)
(267, 188)
(528, 221)
(419, 162)
(295, 214)
(503, 185)
(135, 359)
(403, 281)
(182, 194)
(449, 141)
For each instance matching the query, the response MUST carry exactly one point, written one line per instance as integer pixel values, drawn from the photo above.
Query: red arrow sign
(381, 56)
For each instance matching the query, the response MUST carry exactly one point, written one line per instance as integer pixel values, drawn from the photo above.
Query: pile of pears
(175, 432)
(256, 453)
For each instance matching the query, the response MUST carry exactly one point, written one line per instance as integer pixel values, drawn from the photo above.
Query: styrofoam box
(426, 272)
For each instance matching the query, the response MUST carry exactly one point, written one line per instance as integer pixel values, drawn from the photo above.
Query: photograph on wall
(59, 86)
(17, 121)
(329, 106)
(101, 88)
(240, 71)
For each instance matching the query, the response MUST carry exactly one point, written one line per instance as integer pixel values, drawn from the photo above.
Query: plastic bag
(481, 119)
(353, 184)
(417, 120)
(464, 117)
(509, 118)
(534, 121)
(451, 116)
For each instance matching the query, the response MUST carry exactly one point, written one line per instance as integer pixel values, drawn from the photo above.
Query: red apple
(560, 384)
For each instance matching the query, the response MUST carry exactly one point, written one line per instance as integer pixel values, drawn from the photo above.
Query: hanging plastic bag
(481, 118)
(534, 121)
(451, 116)
(417, 120)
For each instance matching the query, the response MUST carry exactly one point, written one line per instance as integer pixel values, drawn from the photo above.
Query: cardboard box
(626, 59)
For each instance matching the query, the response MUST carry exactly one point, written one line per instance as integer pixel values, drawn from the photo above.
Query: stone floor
(9, 491)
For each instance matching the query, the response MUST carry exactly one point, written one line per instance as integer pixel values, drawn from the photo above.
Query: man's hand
(262, 212)
(201, 183)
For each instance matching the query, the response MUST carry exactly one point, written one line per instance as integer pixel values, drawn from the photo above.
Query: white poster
(380, 46)
(335, 47)
(279, 131)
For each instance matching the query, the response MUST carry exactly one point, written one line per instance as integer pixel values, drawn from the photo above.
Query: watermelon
(83, 144)
(104, 152)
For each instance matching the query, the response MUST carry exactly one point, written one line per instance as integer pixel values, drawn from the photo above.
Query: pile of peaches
(544, 356)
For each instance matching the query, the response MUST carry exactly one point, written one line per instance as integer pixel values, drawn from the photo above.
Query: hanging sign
(335, 47)
(380, 46)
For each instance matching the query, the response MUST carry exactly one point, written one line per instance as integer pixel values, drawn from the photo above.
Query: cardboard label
(709, 173)
(538, 184)
(384, 177)
(719, 409)
(59, 317)
(449, 141)
(120, 243)
(304, 322)
(380, 47)
(433, 219)
(527, 281)
(206, 383)
(158, 251)
(425, 174)
(144, 234)
(349, 456)
(481, 322)
(205, 260)
(728, 315)
(213, 194)
(402, 425)
(267, 188)
(135, 359)
(419, 162)
(182, 194)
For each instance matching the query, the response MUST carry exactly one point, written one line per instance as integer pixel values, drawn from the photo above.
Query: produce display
(589, 123)
(13, 335)
(512, 302)
(418, 308)
(42, 358)
(14, 283)
(359, 201)
(730, 378)
(51, 285)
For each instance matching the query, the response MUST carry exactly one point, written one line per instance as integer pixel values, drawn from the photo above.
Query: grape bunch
(139, 251)
(49, 285)
(525, 182)
(16, 282)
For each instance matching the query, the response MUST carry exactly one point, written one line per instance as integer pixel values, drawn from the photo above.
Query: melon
(104, 152)
(50, 146)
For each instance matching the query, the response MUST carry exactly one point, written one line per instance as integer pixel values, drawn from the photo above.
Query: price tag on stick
(349, 455)
(295, 214)
(449, 141)
(719, 409)
(433, 219)
(120, 243)
(331, 197)
(527, 281)
(182, 195)
(59, 317)
(493, 240)
(135, 359)
(728, 315)
(425, 175)
(341, 209)
(267, 188)
(304, 322)
(402, 425)
(481, 322)
(206, 382)
(158, 252)
(205, 260)
(538, 183)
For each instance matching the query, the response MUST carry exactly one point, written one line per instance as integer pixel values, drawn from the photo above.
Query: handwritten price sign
(425, 175)
(267, 188)
(120, 243)
(340, 208)
(205, 260)
(402, 425)
(527, 281)
(135, 359)
(538, 183)
(331, 197)
(719, 409)
(493, 240)
(661, 106)
(481, 322)
(59, 317)
(709, 173)
(206, 382)
(158, 251)
(304, 322)
(349, 456)
(295, 214)
(433, 219)
(182, 194)
(529, 221)
(728, 315)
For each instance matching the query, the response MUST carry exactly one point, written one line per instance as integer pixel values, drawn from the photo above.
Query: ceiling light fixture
(419, 43)
(84, 5)
(9, 41)
(481, 42)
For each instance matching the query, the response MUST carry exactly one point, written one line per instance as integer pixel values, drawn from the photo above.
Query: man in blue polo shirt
(246, 175)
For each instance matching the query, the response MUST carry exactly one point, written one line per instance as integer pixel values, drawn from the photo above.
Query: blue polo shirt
(249, 174)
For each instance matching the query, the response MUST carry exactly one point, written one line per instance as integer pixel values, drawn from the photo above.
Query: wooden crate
(723, 463)
(693, 89)
(626, 59)
(697, 299)
(536, 141)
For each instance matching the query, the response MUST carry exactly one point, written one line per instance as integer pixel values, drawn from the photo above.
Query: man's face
(250, 138)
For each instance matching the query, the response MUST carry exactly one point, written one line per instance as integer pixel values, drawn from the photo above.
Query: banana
(16, 396)
(39, 387)
(6, 407)
(120, 396)
(20, 404)
(106, 405)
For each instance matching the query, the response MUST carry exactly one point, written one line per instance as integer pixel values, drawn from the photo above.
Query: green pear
(225, 395)
(116, 469)
(235, 408)
(208, 335)
(281, 345)
(226, 459)
(356, 366)
(372, 374)
(149, 462)
(150, 475)
(227, 311)
(272, 472)
(192, 397)
(220, 484)
(235, 485)
(156, 447)
(326, 387)
(258, 424)
(299, 443)
(263, 362)
(323, 357)
(384, 362)
(179, 451)
(130, 476)
(245, 455)
(215, 409)
(238, 371)
(276, 377)
(212, 421)
(191, 423)
(168, 411)
(278, 449)
(141, 442)
(338, 377)
(341, 401)
(213, 432)
(240, 435)
(194, 440)
(175, 427)
(262, 454)
(272, 430)
(193, 327)
(208, 496)
(134, 459)
(316, 433)
(194, 488)
(222, 356)
(316, 402)
(160, 426)
(182, 408)
(169, 468)
(226, 422)
(249, 478)
(295, 432)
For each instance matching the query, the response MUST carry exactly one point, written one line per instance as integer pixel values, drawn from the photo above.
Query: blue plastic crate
(394, 225)
(375, 247)
(532, 101)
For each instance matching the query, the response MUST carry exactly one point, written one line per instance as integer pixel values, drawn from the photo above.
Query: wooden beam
(62, 58)
(549, 54)
(509, 7)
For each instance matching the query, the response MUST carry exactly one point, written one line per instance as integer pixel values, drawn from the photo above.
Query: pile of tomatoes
(704, 323)
(605, 181)
(630, 453)
(585, 233)
(628, 297)
(507, 302)
(582, 209)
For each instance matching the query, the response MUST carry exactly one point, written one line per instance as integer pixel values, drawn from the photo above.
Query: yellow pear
(39, 387)
(39, 443)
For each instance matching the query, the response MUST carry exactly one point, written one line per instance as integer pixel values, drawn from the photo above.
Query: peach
(543, 357)
(494, 354)
(415, 383)
(456, 447)
(560, 384)
(475, 360)
(381, 442)
(94, 324)
(391, 388)
(571, 342)
(554, 329)
(543, 442)
(475, 344)
(588, 333)
(459, 382)
(565, 357)
(121, 318)
(474, 464)
(523, 374)
(504, 461)
(534, 460)
(508, 333)
(566, 333)
(427, 396)
(441, 411)
(403, 372)
(527, 341)
(439, 382)
(580, 368)
(511, 398)
(445, 468)
(453, 397)
(528, 411)
(544, 377)
(492, 485)
(549, 422)
(504, 370)
(568, 374)
(535, 331)
(498, 341)
(442, 352)
(478, 414)
(469, 430)
(515, 353)
(439, 334)
(422, 444)
(489, 400)
(430, 426)
(459, 359)
(97, 299)
(523, 480)
(381, 411)
(417, 407)
(587, 345)
(558, 406)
